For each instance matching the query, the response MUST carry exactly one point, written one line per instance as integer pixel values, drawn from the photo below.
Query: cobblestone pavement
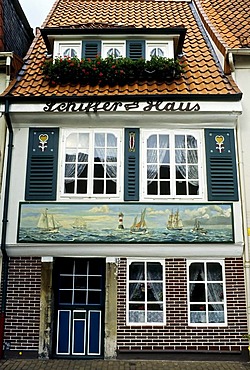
(120, 365)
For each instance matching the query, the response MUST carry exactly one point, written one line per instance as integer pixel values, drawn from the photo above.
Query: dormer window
(68, 49)
(159, 49)
(113, 49)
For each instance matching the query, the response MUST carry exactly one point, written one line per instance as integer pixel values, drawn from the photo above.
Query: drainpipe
(5, 258)
(246, 254)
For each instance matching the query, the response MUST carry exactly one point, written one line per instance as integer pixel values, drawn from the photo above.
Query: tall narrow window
(92, 162)
(172, 166)
(145, 292)
(206, 293)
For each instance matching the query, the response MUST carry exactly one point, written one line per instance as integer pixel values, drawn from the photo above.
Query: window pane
(136, 271)
(191, 142)
(180, 141)
(163, 141)
(152, 156)
(65, 296)
(98, 171)
(100, 140)
(215, 292)
(81, 187)
(136, 291)
(98, 187)
(153, 188)
(80, 282)
(94, 297)
(69, 170)
(69, 187)
(111, 140)
(66, 282)
(80, 297)
(95, 282)
(152, 141)
(165, 188)
(164, 172)
(154, 292)
(180, 156)
(154, 271)
(214, 271)
(111, 155)
(196, 272)
(197, 292)
(110, 187)
(192, 156)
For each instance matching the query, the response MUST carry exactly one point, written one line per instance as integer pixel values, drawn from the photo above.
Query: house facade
(124, 229)
(12, 50)
(229, 33)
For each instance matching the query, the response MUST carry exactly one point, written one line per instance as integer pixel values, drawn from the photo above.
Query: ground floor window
(145, 292)
(206, 293)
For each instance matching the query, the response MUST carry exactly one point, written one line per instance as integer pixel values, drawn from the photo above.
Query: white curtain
(70, 168)
(184, 157)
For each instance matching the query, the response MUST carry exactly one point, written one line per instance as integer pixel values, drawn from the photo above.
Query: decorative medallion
(132, 142)
(43, 140)
(219, 143)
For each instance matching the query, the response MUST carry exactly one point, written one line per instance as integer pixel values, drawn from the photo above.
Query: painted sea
(31, 235)
(125, 223)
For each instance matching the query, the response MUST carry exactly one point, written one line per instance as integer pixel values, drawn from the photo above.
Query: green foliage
(110, 71)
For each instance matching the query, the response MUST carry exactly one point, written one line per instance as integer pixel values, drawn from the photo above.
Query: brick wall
(23, 304)
(176, 335)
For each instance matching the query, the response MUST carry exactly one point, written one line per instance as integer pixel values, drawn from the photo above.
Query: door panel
(79, 302)
(94, 332)
(63, 332)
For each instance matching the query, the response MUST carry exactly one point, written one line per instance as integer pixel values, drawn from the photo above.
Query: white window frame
(120, 166)
(145, 133)
(167, 47)
(224, 303)
(120, 45)
(60, 45)
(145, 323)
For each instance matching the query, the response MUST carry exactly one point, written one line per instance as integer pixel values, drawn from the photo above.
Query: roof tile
(202, 75)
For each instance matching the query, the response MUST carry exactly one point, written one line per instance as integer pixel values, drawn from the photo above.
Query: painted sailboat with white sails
(139, 227)
(48, 223)
(174, 221)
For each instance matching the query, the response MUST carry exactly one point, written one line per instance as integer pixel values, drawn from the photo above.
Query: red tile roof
(228, 21)
(203, 75)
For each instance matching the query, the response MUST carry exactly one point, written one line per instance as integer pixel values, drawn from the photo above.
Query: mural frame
(125, 223)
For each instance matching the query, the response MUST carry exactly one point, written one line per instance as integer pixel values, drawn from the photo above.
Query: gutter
(5, 257)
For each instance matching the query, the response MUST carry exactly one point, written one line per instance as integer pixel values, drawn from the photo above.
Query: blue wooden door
(80, 307)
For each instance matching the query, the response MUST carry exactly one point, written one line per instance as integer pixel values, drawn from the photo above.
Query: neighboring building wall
(13, 25)
(176, 335)
(23, 304)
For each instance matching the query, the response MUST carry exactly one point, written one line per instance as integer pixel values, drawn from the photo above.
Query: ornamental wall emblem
(132, 141)
(43, 141)
(219, 143)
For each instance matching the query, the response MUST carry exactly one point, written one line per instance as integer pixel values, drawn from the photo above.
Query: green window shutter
(90, 49)
(131, 164)
(41, 178)
(221, 164)
(135, 49)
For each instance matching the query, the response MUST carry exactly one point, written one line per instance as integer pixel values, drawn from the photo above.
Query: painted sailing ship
(174, 221)
(198, 229)
(139, 227)
(48, 223)
(79, 224)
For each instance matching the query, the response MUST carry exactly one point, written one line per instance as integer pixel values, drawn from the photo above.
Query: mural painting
(125, 223)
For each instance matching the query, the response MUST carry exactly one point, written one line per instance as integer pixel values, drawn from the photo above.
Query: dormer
(115, 42)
